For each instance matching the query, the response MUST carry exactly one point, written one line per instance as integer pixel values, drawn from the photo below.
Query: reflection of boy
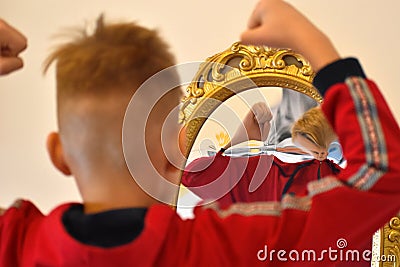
(256, 125)
(120, 225)
(277, 177)
(313, 133)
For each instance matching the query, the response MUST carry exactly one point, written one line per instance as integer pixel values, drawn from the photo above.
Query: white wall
(195, 30)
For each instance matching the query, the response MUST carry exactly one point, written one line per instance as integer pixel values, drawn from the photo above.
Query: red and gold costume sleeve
(349, 207)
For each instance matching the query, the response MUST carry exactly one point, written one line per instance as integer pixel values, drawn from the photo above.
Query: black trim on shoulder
(105, 229)
(337, 72)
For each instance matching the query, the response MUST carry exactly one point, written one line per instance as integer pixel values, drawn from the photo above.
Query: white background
(195, 29)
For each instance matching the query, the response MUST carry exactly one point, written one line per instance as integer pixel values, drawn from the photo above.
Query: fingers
(263, 116)
(254, 36)
(269, 24)
(262, 113)
(10, 64)
(12, 43)
(276, 23)
(255, 32)
(255, 19)
(265, 131)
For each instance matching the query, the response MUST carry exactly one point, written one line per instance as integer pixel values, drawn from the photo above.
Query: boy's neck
(104, 192)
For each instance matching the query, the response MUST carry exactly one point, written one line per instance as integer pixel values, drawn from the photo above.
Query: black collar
(105, 229)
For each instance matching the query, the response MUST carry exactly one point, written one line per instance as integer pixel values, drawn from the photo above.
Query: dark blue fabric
(104, 229)
(337, 72)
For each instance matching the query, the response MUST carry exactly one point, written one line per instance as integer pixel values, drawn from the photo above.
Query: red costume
(233, 177)
(350, 206)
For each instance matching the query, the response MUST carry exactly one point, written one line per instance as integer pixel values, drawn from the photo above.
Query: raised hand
(12, 43)
(255, 125)
(278, 24)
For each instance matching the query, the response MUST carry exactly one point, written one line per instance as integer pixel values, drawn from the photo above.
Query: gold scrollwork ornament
(239, 68)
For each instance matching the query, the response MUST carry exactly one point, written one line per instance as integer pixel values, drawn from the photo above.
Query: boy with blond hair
(313, 133)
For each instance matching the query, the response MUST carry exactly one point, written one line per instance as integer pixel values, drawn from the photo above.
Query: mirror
(237, 69)
(224, 89)
(253, 169)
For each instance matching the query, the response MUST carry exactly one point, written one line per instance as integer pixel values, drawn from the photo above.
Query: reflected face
(313, 149)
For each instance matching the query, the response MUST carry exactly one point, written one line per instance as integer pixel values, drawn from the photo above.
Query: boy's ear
(56, 153)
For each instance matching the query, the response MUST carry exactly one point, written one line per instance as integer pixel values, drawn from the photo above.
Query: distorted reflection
(265, 149)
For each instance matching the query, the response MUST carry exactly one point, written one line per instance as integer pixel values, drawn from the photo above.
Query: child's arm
(277, 23)
(12, 43)
(255, 125)
(350, 207)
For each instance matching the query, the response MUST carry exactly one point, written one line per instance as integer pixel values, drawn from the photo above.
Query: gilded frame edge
(386, 247)
(239, 68)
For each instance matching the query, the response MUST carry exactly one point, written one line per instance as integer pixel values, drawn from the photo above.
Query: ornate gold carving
(394, 234)
(388, 250)
(239, 68)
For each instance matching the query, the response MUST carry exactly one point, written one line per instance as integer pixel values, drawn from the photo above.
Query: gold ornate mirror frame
(237, 69)
(386, 244)
(243, 67)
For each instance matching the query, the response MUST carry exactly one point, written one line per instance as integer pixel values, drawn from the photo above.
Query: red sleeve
(212, 177)
(14, 227)
(366, 194)
(204, 170)
(368, 132)
(340, 213)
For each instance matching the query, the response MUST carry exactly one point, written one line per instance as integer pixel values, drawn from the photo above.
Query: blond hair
(314, 126)
(114, 55)
(96, 75)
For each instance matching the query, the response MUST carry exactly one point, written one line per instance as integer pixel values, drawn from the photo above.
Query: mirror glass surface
(226, 89)
(248, 172)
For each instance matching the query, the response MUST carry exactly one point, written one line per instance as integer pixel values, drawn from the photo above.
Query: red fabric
(232, 237)
(167, 240)
(236, 175)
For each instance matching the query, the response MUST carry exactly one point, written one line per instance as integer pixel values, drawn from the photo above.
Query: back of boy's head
(314, 126)
(96, 77)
